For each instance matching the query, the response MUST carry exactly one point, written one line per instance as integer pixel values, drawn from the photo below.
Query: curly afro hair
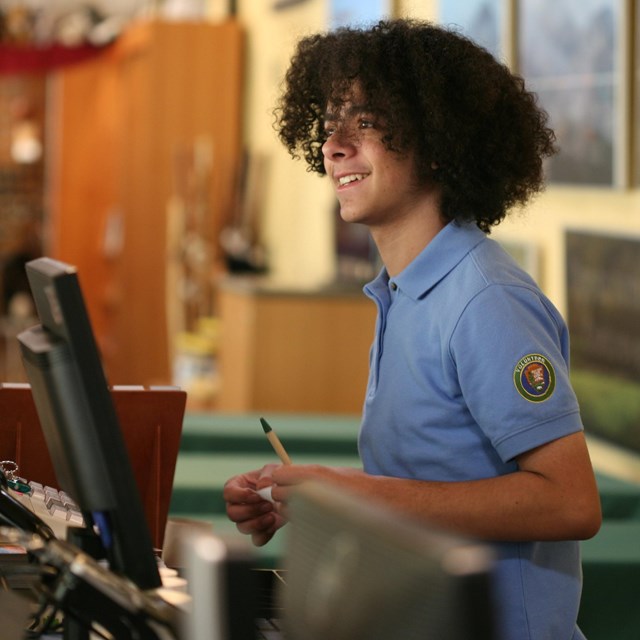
(474, 128)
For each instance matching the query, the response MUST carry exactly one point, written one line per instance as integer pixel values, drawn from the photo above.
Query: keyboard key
(55, 508)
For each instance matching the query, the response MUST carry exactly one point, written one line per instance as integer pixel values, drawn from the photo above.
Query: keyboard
(55, 508)
(269, 613)
(59, 511)
(268, 629)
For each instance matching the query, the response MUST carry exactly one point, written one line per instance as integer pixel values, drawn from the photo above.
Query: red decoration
(16, 59)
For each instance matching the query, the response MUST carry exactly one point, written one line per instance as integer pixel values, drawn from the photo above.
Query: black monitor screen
(80, 423)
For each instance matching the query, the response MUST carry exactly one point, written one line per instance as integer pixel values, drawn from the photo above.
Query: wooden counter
(286, 349)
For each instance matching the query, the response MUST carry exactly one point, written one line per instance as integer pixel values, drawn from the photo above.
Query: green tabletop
(243, 433)
(611, 593)
(620, 498)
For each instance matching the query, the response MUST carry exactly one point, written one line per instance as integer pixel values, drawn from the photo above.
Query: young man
(469, 418)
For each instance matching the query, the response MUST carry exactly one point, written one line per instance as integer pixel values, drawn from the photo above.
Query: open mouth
(354, 177)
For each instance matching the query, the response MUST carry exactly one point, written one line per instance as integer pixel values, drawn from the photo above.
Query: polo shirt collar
(438, 258)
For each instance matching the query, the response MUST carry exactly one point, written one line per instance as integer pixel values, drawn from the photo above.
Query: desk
(217, 446)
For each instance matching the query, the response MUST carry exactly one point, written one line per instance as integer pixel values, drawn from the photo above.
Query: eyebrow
(330, 116)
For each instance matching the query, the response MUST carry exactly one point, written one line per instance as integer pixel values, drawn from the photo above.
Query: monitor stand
(88, 542)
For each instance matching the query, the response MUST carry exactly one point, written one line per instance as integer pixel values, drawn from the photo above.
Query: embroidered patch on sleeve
(534, 377)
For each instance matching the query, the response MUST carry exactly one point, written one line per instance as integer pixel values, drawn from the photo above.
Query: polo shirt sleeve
(510, 349)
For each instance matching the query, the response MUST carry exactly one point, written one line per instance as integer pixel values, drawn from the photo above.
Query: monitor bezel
(79, 420)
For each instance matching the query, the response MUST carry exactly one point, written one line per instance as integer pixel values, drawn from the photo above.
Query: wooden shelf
(120, 120)
(293, 350)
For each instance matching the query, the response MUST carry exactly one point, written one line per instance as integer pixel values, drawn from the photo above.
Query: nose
(338, 145)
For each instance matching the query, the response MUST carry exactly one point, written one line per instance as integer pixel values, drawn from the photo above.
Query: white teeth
(353, 177)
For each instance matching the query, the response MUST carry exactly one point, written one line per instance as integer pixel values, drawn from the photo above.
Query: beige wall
(297, 228)
(298, 222)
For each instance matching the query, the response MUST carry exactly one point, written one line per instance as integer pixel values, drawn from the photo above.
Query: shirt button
(394, 286)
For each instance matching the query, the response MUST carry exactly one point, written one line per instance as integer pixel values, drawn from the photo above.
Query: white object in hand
(265, 493)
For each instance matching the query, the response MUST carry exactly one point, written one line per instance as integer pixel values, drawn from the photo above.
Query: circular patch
(534, 377)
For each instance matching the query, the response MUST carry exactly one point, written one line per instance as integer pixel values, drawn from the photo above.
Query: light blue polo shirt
(469, 369)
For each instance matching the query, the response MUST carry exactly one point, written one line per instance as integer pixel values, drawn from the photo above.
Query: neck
(400, 240)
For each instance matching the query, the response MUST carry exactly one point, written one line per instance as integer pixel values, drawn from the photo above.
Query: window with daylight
(575, 55)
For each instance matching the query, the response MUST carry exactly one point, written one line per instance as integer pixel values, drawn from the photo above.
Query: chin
(349, 215)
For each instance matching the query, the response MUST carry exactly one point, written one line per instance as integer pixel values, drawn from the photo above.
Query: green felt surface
(243, 433)
(211, 469)
(610, 607)
(620, 499)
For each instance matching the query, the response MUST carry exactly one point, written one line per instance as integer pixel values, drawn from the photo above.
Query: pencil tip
(265, 425)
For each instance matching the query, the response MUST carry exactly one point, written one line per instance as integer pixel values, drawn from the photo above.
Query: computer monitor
(360, 571)
(80, 423)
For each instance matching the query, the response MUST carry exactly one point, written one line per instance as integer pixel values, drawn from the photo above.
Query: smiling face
(374, 185)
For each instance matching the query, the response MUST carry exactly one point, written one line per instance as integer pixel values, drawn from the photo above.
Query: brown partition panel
(151, 422)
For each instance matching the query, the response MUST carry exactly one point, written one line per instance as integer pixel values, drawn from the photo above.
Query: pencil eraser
(265, 493)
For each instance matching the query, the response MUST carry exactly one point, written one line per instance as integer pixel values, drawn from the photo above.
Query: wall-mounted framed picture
(603, 313)
(573, 54)
(358, 13)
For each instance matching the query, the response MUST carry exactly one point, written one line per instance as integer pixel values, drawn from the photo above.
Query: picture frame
(602, 284)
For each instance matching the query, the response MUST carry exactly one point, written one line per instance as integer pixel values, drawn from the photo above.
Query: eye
(366, 123)
(329, 130)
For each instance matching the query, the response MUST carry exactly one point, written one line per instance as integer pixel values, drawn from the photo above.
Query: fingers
(244, 511)
(260, 518)
(252, 514)
(260, 524)
(262, 528)
(260, 539)
(297, 473)
(265, 476)
(242, 488)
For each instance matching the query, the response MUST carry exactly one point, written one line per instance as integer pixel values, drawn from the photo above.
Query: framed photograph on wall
(358, 13)
(603, 314)
(484, 21)
(573, 55)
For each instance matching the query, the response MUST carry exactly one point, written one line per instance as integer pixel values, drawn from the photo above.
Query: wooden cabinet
(291, 350)
(121, 124)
